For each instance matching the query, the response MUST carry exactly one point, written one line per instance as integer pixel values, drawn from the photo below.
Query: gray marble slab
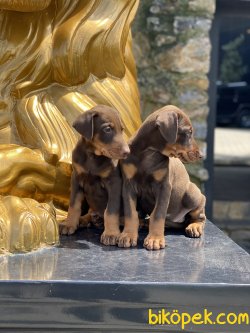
(84, 286)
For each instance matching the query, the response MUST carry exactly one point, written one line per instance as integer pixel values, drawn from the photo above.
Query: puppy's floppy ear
(84, 124)
(168, 125)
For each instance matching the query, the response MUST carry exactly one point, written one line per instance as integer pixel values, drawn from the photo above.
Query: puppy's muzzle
(124, 152)
(118, 152)
(194, 155)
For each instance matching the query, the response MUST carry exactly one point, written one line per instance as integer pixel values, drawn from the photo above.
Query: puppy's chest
(95, 192)
(92, 175)
(146, 189)
(92, 185)
(145, 183)
(94, 166)
(151, 168)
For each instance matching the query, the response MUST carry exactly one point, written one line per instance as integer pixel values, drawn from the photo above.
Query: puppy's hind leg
(196, 217)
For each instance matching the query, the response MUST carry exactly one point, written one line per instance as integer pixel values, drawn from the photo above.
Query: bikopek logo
(174, 317)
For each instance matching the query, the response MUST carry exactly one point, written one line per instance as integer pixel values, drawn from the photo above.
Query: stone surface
(81, 257)
(186, 58)
(231, 210)
(200, 129)
(192, 96)
(191, 25)
(83, 286)
(221, 209)
(234, 219)
(196, 80)
(161, 40)
(207, 6)
(141, 47)
(161, 95)
(198, 112)
(239, 210)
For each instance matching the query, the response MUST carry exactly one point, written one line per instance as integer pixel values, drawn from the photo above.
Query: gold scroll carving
(58, 58)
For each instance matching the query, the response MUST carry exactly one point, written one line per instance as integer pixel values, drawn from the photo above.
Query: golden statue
(58, 58)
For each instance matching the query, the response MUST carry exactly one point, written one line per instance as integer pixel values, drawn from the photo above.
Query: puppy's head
(176, 129)
(102, 126)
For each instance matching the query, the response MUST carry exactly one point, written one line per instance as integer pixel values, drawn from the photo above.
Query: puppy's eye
(107, 129)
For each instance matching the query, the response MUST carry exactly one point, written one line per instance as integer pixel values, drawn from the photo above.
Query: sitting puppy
(96, 177)
(156, 182)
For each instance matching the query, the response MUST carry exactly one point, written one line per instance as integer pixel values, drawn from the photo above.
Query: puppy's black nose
(199, 155)
(125, 152)
(125, 155)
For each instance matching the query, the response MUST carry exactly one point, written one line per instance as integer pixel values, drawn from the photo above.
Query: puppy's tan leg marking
(155, 239)
(129, 236)
(197, 222)
(69, 226)
(112, 229)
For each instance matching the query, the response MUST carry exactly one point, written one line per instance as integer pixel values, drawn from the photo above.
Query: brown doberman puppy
(156, 182)
(96, 177)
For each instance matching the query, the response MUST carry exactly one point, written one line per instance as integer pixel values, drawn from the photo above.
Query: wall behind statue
(172, 50)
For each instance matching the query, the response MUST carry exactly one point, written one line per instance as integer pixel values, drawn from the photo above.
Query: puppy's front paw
(195, 230)
(67, 227)
(109, 238)
(152, 242)
(128, 239)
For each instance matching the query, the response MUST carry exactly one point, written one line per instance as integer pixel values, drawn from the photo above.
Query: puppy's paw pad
(195, 230)
(154, 243)
(127, 239)
(67, 228)
(109, 238)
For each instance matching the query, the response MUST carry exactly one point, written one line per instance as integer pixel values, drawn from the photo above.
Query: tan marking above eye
(129, 170)
(159, 174)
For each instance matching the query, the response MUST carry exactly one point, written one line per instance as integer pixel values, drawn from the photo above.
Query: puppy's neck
(141, 139)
